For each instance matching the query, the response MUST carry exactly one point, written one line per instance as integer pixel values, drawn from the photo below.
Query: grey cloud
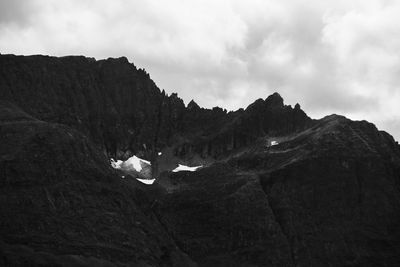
(16, 11)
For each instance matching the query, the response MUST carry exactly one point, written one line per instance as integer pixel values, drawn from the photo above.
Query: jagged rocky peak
(193, 105)
(255, 105)
(274, 100)
(271, 116)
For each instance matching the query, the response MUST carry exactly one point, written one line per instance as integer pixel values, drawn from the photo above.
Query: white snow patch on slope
(186, 168)
(135, 163)
(116, 164)
(146, 181)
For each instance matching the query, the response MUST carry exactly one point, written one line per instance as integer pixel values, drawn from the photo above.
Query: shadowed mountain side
(62, 204)
(327, 196)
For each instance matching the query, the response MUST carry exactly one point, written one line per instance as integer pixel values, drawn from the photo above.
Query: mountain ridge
(277, 188)
(120, 107)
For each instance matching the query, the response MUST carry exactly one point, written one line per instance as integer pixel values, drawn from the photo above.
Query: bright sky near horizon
(333, 56)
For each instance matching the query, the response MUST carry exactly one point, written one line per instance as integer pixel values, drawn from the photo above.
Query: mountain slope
(277, 187)
(327, 196)
(62, 205)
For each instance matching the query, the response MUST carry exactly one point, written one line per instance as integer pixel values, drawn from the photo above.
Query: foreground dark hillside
(62, 205)
(327, 193)
(328, 196)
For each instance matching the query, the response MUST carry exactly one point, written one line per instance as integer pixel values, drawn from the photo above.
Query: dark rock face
(342, 202)
(326, 194)
(121, 109)
(62, 205)
(111, 101)
(221, 217)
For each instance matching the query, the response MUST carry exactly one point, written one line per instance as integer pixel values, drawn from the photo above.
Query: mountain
(121, 109)
(277, 188)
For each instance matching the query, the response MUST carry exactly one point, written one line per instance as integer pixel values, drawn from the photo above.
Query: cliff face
(278, 189)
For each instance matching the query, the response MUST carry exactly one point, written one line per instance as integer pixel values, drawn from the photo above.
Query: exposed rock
(63, 205)
(193, 105)
(121, 109)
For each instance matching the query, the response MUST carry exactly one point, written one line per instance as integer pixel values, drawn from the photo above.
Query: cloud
(16, 11)
(330, 56)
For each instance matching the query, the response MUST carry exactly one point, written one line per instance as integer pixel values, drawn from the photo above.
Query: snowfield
(116, 164)
(135, 166)
(135, 163)
(146, 181)
(186, 168)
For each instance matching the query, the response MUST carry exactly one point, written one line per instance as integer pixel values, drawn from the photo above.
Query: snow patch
(186, 168)
(116, 164)
(134, 163)
(146, 181)
(134, 166)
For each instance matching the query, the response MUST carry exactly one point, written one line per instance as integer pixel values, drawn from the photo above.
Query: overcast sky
(330, 56)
